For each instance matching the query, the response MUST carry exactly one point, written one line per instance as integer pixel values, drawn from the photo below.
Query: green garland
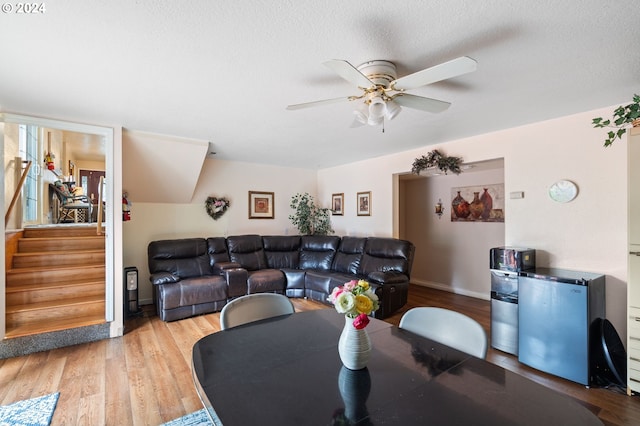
(622, 117)
(216, 207)
(436, 159)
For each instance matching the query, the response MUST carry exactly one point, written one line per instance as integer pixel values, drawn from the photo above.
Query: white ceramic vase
(354, 346)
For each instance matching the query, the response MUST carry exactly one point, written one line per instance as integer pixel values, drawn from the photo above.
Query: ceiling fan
(384, 94)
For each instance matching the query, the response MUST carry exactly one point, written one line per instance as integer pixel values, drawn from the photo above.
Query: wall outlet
(516, 195)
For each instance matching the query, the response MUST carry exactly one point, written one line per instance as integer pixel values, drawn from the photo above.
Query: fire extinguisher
(126, 208)
(48, 160)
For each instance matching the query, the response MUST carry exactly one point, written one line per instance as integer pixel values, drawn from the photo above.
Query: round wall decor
(563, 191)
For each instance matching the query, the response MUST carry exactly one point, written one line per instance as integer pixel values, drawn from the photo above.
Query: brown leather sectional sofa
(195, 276)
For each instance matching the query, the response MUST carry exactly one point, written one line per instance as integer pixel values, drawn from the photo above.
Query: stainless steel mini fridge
(557, 308)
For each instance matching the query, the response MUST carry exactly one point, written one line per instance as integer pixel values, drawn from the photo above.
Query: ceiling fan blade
(319, 103)
(350, 73)
(446, 70)
(420, 102)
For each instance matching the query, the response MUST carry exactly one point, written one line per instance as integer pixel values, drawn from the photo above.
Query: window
(28, 150)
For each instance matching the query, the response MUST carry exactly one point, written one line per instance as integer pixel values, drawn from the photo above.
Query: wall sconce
(439, 208)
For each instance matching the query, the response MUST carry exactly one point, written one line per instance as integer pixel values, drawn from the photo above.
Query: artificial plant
(436, 159)
(308, 217)
(623, 116)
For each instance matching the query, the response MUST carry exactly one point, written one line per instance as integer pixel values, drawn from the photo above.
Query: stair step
(46, 292)
(46, 326)
(42, 275)
(60, 258)
(79, 307)
(34, 245)
(56, 281)
(61, 231)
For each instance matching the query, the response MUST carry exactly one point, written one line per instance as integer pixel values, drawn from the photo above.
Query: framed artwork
(260, 205)
(337, 204)
(480, 203)
(364, 203)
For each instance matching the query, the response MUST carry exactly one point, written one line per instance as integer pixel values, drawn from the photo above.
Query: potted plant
(309, 218)
(439, 160)
(623, 116)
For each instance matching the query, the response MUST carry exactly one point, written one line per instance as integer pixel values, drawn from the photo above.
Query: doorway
(90, 183)
(111, 140)
(450, 255)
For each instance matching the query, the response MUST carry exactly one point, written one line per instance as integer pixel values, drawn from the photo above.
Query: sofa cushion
(217, 249)
(386, 255)
(266, 281)
(317, 251)
(247, 251)
(192, 291)
(349, 255)
(282, 252)
(319, 283)
(183, 258)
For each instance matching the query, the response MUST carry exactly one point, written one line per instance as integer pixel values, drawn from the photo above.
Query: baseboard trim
(446, 287)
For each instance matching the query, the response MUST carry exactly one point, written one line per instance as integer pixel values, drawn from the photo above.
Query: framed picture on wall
(261, 205)
(337, 204)
(479, 203)
(364, 203)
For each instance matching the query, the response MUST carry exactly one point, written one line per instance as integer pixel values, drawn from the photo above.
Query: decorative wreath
(216, 207)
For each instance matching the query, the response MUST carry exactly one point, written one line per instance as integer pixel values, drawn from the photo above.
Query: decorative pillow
(63, 188)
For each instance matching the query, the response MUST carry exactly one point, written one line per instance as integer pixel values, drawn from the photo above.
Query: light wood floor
(144, 377)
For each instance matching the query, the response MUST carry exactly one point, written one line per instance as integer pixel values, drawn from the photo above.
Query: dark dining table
(286, 371)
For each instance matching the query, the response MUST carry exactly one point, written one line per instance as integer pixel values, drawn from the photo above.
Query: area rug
(197, 418)
(30, 412)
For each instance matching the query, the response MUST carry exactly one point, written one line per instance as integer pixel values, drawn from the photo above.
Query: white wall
(587, 234)
(232, 180)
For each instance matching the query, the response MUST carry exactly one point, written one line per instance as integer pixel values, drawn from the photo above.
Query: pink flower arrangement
(356, 300)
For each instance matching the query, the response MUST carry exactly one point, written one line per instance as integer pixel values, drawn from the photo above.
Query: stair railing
(23, 178)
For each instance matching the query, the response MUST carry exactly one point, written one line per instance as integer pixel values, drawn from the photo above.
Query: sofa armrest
(163, 278)
(236, 281)
(220, 267)
(391, 277)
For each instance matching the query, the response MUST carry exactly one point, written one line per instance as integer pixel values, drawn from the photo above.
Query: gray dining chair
(448, 327)
(254, 307)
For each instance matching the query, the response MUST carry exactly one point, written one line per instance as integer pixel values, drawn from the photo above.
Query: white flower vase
(354, 346)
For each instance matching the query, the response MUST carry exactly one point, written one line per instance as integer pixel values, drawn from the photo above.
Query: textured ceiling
(224, 71)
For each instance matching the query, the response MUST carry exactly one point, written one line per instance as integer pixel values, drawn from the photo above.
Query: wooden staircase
(56, 281)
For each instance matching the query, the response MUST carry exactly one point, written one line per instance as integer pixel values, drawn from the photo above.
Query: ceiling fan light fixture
(361, 113)
(392, 110)
(377, 107)
(374, 121)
